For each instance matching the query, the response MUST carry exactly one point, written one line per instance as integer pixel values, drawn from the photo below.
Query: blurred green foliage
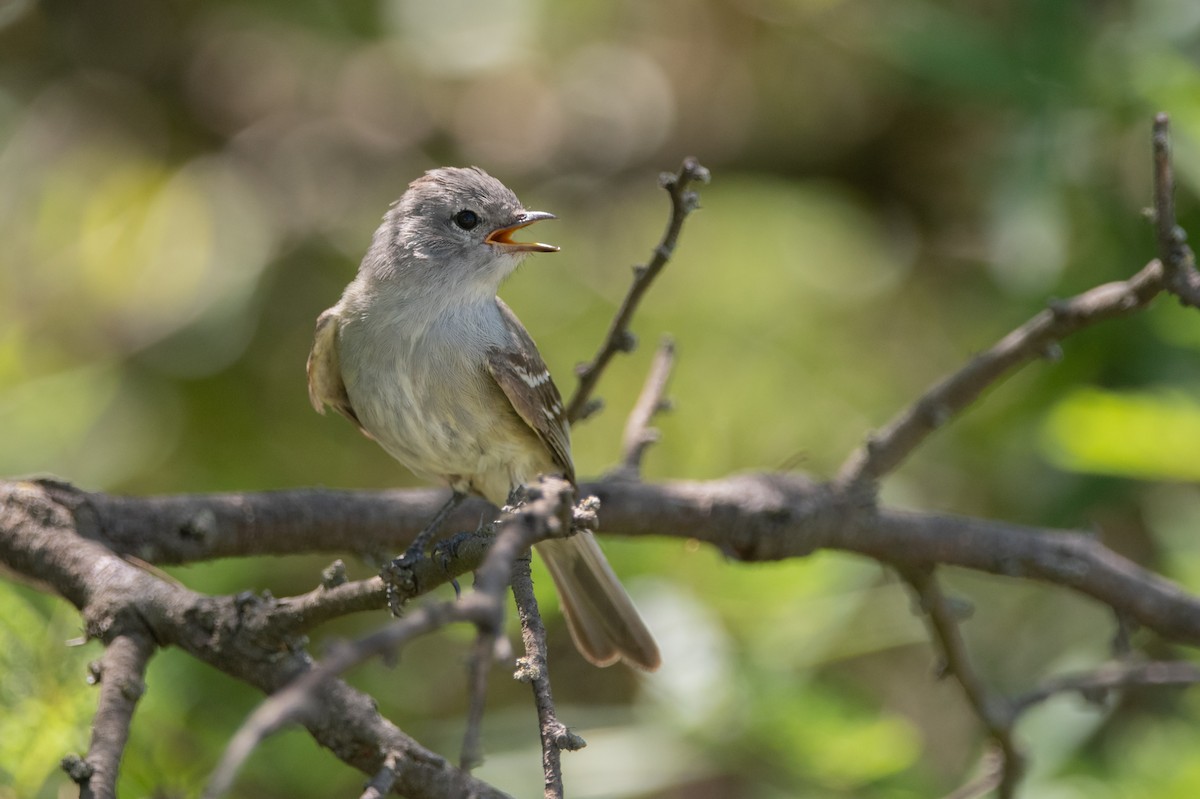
(184, 187)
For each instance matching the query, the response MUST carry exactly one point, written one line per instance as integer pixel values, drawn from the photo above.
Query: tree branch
(1175, 271)
(993, 711)
(886, 449)
(121, 674)
(639, 435)
(1095, 684)
(750, 517)
(544, 515)
(619, 338)
(534, 669)
(1179, 263)
(38, 538)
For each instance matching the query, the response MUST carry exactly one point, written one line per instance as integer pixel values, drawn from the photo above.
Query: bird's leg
(399, 576)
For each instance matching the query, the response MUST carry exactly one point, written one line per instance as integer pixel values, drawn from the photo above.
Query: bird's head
(456, 227)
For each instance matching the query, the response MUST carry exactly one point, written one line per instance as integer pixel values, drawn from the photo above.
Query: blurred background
(896, 184)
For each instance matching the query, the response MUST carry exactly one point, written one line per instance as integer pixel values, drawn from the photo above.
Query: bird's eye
(466, 219)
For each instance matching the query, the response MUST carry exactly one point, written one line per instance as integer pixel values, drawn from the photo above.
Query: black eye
(466, 219)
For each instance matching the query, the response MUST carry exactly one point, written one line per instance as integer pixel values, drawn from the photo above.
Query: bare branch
(750, 517)
(121, 674)
(619, 338)
(1179, 263)
(1093, 685)
(450, 559)
(545, 511)
(306, 611)
(993, 711)
(1072, 560)
(541, 517)
(38, 537)
(639, 435)
(1174, 271)
(296, 701)
(885, 450)
(533, 669)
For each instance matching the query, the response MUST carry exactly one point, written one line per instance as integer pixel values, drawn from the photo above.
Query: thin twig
(619, 338)
(534, 669)
(121, 673)
(993, 711)
(1179, 263)
(639, 435)
(1095, 684)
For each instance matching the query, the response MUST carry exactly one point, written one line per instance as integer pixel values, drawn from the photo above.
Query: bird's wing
(325, 386)
(521, 373)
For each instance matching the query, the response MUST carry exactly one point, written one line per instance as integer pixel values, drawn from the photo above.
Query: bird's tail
(602, 619)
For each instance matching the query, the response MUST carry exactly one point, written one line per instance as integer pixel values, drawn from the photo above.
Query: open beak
(502, 237)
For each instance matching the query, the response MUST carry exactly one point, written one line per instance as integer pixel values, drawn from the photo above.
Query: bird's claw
(400, 579)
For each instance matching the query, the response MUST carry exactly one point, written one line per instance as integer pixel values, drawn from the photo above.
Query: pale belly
(445, 419)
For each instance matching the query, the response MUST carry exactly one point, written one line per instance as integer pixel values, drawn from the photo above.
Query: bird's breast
(430, 402)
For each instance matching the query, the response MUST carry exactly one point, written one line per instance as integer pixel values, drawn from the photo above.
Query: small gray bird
(425, 359)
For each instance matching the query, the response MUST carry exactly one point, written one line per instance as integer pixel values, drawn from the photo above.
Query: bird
(425, 359)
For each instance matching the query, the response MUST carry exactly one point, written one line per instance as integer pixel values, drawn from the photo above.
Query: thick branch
(750, 517)
(38, 539)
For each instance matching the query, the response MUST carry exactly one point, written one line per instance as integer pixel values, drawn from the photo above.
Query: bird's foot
(400, 577)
